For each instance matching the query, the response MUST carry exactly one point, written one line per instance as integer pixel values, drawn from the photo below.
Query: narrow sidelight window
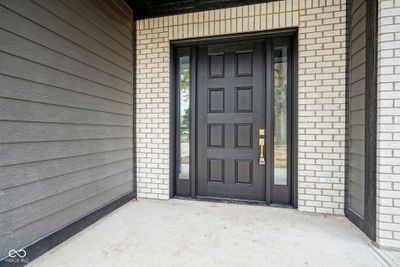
(280, 67)
(183, 117)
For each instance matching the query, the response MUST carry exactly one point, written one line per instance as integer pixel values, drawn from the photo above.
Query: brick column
(388, 136)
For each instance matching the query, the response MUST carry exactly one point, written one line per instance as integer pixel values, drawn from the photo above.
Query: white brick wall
(322, 60)
(388, 136)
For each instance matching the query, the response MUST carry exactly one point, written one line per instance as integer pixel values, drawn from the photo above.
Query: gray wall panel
(21, 47)
(36, 92)
(22, 195)
(356, 172)
(35, 171)
(19, 153)
(35, 230)
(81, 7)
(65, 113)
(358, 43)
(19, 110)
(59, 9)
(36, 33)
(28, 70)
(21, 217)
(114, 15)
(39, 15)
(14, 132)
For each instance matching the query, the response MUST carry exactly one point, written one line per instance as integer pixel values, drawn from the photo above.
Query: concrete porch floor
(194, 233)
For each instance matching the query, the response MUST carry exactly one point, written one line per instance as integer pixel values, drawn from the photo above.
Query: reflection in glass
(184, 115)
(280, 115)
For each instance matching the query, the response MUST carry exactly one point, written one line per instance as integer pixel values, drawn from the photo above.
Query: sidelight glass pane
(280, 116)
(184, 115)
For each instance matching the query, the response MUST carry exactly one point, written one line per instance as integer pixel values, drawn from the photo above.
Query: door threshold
(234, 201)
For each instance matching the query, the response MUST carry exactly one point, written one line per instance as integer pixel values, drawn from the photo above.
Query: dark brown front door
(238, 141)
(231, 113)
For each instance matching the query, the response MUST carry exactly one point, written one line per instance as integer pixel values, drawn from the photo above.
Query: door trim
(191, 45)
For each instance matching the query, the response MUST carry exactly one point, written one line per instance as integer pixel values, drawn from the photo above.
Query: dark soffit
(157, 8)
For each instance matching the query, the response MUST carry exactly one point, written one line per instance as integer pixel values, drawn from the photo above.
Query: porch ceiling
(158, 8)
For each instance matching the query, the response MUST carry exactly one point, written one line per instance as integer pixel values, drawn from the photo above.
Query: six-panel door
(230, 112)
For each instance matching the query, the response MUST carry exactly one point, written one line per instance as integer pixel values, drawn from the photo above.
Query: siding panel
(35, 230)
(65, 114)
(65, 13)
(21, 47)
(28, 70)
(18, 110)
(36, 33)
(20, 196)
(39, 15)
(37, 92)
(112, 14)
(19, 153)
(14, 132)
(18, 218)
(81, 8)
(35, 171)
(357, 107)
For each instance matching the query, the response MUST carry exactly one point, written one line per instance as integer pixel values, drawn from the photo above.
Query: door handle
(261, 143)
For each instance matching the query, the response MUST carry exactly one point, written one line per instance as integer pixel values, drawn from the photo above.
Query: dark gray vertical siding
(357, 107)
(65, 113)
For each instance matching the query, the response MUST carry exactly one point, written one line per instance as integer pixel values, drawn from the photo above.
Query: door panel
(231, 110)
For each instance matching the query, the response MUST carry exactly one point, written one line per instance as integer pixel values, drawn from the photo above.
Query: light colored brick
(322, 60)
(388, 171)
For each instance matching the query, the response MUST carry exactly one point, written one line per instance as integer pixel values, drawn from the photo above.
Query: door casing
(188, 45)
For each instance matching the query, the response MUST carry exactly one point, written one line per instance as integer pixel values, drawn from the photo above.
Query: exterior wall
(388, 136)
(357, 113)
(65, 113)
(322, 66)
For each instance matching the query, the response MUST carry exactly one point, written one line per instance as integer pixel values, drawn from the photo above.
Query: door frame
(189, 46)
